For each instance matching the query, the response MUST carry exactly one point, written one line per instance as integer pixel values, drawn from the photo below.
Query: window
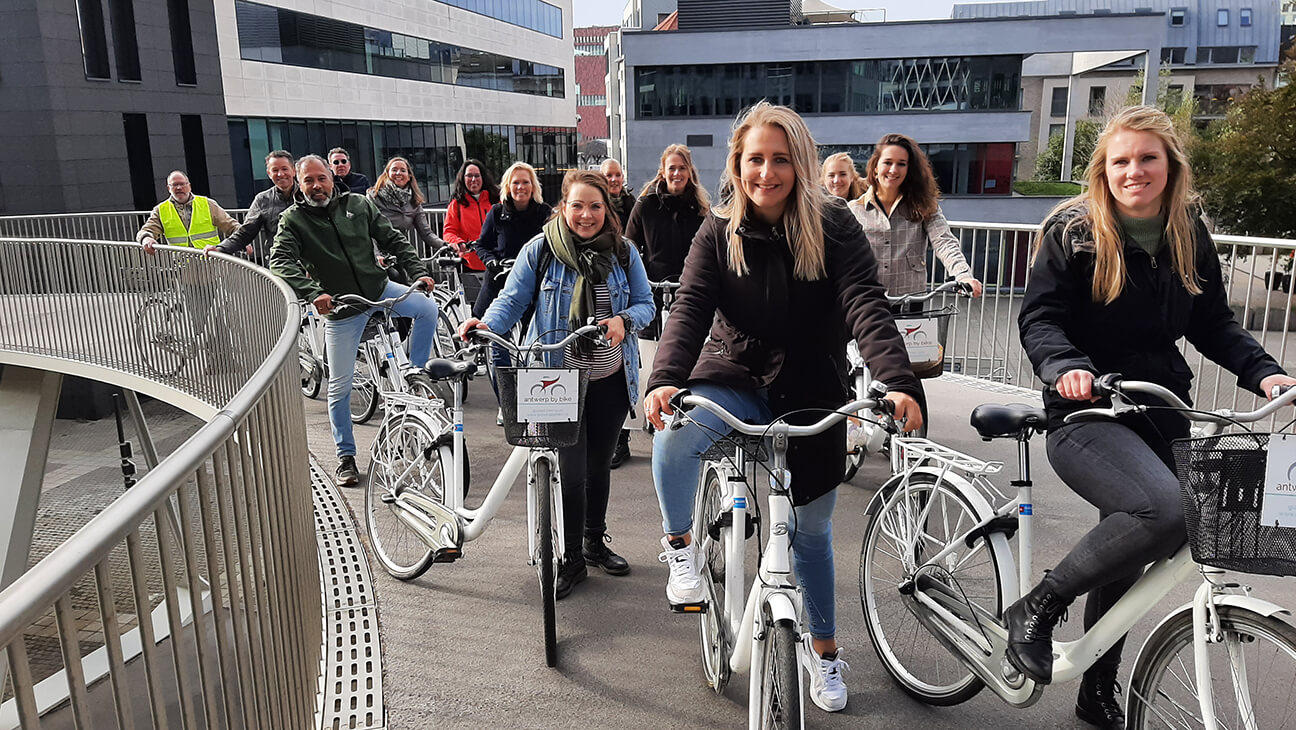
(1173, 55)
(1058, 106)
(94, 41)
(1221, 54)
(122, 15)
(139, 160)
(1097, 101)
(1244, 17)
(698, 140)
(182, 51)
(1246, 54)
(1056, 129)
(1221, 17)
(530, 14)
(195, 152)
(1178, 17)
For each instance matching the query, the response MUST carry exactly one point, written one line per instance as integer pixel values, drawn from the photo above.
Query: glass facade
(530, 14)
(276, 35)
(831, 87)
(960, 169)
(435, 150)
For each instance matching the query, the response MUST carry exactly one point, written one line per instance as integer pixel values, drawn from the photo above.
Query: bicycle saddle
(439, 368)
(1014, 420)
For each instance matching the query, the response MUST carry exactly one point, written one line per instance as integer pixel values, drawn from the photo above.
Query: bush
(1048, 166)
(1037, 187)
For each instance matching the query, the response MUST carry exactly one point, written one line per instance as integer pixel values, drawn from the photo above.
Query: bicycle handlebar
(664, 285)
(961, 288)
(354, 300)
(537, 348)
(1113, 385)
(683, 401)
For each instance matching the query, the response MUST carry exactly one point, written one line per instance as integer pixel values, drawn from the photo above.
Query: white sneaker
(685, 582)
(827, 689)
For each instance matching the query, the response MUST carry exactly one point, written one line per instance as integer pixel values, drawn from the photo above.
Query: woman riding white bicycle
(779, 276)
(1120, 274)
(580, 267)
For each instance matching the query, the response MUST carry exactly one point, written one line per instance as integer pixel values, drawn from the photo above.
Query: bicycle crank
(434, 523)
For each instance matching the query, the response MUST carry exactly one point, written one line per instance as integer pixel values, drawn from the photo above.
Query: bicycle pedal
(447, 555)
(688, 607)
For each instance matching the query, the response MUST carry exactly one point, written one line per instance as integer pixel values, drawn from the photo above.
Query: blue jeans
(677, 463)
(342, 339)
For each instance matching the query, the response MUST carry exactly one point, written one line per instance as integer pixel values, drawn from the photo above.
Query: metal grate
(351, 695)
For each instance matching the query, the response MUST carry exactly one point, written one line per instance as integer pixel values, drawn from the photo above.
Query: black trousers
(587, 465)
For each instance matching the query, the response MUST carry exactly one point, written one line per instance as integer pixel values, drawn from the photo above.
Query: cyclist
(474, 193)
(324, 247)
(579, 267)
(1120, 274)
(263, 215)
(841, 178)
(777, 278)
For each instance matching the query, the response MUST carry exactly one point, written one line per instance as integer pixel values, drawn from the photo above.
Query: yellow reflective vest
(201, 233)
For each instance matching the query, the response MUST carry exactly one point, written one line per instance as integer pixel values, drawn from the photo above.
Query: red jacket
(463, 224)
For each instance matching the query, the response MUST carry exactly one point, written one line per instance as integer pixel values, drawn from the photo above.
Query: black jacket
(766, 329)
(623, 203)
(354, 182)
(506, 229)
(262, 218)
(663, 226)
(1064, 329)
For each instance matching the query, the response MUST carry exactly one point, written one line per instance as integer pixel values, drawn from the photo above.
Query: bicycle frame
(313, 327)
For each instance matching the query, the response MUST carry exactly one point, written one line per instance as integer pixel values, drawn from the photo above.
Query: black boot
(1097, 703)
(622, 449)
(1030, 623)
(570, 572)
(597, 553)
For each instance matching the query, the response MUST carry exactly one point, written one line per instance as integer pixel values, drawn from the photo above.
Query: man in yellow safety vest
(185, 219)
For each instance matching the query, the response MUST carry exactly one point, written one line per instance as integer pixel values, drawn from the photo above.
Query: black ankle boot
(622, 452)
(1097, 703)
(598, 553)
(570, 572)
(1030, 623)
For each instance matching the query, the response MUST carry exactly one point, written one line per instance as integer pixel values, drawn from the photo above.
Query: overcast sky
(608, 12)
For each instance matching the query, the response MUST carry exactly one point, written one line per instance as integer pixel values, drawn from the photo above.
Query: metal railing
(983, 338)
(192, 600)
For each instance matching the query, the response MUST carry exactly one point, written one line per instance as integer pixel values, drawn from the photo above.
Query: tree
(1246, 164)
(1179, 106)
(1048, 166)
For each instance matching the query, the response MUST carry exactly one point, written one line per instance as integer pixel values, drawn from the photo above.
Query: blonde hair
(803, 217)
(857, 186)
(1098, 207)
(507, 181)
(699, 192)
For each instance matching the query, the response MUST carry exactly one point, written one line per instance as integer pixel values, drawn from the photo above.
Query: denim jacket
(630, 293)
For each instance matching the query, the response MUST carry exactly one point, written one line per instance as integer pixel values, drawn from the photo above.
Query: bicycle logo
(549, 387)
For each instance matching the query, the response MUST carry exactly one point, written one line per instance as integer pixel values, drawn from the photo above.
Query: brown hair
(699, 192)
(594, 179)
(417, 197)
(919, 186)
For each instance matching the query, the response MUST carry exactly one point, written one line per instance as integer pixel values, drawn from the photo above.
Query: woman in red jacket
(474, 194)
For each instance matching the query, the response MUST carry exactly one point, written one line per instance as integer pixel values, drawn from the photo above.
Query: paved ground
(462, 644)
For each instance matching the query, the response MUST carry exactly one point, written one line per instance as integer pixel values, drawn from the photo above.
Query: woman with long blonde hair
(776, 279)
(841, 178)
(1121, 273)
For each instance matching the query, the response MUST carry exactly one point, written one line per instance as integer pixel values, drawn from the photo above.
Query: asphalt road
(462, 645)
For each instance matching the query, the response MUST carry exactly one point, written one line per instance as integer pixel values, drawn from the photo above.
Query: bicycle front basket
(924, 336)
(531, 434)
(1223, 483)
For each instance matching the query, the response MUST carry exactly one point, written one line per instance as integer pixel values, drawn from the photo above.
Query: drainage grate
(351, 695)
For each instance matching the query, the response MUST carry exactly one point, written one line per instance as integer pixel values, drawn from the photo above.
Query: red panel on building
(591, 80)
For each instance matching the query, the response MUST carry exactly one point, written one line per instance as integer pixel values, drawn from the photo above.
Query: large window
(276, 35)
(435, 150)
(1226, 54)
(94, 40)
(831, 87)
(531, 14)
(125, 44)
(139, 161)
(1058, 104)
(1173, 55)
(182, 50)
(960, 169)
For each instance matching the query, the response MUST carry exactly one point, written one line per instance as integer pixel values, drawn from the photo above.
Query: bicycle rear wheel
(905, 526)
(714, 634)
(160, 336)
(404, 459)
(1252, 672)
(312, 375)
(780, 697)
(364, 388)
(545, 561)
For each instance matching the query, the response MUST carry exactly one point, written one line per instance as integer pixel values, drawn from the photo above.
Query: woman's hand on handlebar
(616, 330)
(1274, 381)
(973, 282)
(472, 323)
(657, 403)
(1076, 385)
(906, 410)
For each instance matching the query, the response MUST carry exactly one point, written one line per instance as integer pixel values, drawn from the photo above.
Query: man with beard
(325, 248)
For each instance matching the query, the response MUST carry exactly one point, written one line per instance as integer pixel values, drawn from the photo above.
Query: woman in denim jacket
(589, 270)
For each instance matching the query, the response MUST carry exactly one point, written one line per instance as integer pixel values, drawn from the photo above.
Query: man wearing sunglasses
(355, 182)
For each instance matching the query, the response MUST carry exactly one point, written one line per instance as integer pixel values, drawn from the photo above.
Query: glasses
(177, 186)
(335, 163)
(472, 177)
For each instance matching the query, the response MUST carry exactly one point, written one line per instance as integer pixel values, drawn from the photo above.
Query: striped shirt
(603, 361)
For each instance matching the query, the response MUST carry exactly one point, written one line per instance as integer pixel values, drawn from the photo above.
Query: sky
(608, 12)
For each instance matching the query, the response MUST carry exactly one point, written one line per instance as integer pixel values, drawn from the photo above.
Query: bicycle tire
(853, 461)
(545, 557)
(1163, 687)
(364, 388)
(780, 696)
(404, 458)
(915, 660)
(447, 339)
(712, 629)
(311, 375)
(158, 333)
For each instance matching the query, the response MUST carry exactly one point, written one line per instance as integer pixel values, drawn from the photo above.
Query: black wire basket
(1223, 482)
(536, 435)
(929, 368)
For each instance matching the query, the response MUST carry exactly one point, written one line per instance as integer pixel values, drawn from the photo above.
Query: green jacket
(331, 249)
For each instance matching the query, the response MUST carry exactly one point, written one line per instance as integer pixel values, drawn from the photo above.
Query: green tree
(1048, 165)
(1245, 164)
(1179, 106)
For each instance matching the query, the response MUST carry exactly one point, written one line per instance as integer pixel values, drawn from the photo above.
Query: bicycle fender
(435, 425)
(780, 607)
(1249, 603)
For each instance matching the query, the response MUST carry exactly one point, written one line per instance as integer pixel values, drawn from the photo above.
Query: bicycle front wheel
(905, 527)
(404, 459)
(160, 336)
(364, 388)
(716, 643)
(1251, 671)
(312, 375)
(545, 556)
(780, 696)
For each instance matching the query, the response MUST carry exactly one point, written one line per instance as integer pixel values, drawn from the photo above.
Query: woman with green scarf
(581, 268)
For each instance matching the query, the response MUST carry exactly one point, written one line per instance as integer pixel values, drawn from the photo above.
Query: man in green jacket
(324, 248)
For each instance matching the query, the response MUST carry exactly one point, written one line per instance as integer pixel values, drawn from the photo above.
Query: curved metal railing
(214, 549)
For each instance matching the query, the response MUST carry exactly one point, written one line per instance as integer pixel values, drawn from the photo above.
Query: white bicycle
(936, 573)
(757, 628)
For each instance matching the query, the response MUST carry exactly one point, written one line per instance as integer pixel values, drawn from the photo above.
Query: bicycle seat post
(1025, 511)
